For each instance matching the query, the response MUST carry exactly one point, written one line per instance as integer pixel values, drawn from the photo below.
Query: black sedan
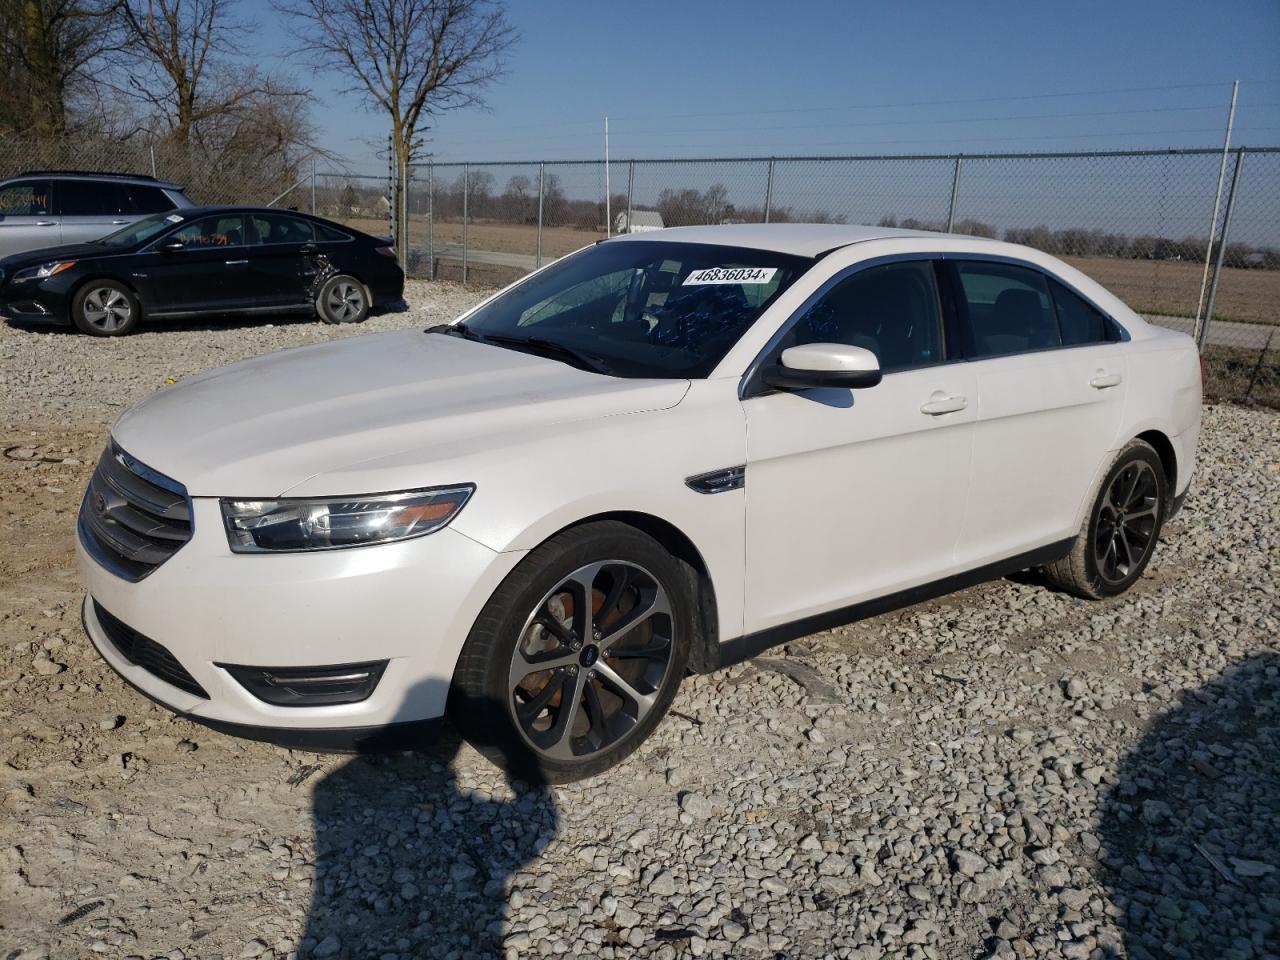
(204, 261)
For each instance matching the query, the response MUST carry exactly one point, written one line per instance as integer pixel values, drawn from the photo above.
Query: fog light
(309, 686)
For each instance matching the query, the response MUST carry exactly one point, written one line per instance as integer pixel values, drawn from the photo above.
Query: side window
(144, 200)
(83, 198)
(1009, 309)
(1079, 320)
(330, 234)
(891, 310)
(30, 198)
(279, 228)
(226, 231)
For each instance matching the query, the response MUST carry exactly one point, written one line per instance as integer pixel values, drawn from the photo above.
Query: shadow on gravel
(1191, 831)
(410, 864)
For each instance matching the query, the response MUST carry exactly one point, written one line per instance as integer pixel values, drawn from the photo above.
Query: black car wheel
(577, 656)
(342, 299)
(105, 308)
(1120, 533)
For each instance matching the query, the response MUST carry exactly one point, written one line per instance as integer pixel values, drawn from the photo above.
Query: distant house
(641, 221)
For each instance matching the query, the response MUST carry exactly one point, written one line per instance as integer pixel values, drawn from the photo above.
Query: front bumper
(411, 603)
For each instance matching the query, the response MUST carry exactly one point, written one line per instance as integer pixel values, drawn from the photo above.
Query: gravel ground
(1006, 773)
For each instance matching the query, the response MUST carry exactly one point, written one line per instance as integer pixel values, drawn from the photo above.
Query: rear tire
(342, 299)
(552, 694)
(105, 308)
(1119, 535)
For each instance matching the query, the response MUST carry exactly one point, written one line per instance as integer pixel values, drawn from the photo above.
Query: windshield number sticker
(173, 218)
(756, 275)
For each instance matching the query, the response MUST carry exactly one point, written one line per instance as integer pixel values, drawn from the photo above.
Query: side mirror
(170, 246)
(818, 365)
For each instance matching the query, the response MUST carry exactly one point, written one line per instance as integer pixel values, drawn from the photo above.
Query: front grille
(146, 653)
(132, 518)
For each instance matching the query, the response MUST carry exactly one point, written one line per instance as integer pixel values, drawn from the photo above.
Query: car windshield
(640, 308)
(141, 230)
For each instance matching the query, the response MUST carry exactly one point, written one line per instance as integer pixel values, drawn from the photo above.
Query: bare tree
(408, 58)
(48, 51)
(192, 85)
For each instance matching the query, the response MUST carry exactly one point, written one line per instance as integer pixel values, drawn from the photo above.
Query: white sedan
(662, 454)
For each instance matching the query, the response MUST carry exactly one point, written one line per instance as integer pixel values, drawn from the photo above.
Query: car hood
(70, 251)
(259, 427)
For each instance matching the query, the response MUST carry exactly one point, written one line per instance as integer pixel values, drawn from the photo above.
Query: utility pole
(608, 211)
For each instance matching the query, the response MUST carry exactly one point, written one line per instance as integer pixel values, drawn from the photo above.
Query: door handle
(235, 263)
(1102, 380)
(46, 223)
(940, 403)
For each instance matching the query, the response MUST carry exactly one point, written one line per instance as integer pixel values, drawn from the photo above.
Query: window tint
(31, 198)
(329, 233)
(891, 310)
(87, 198)
(148, 199)
(1079, 320)
(1009, 309)
(223, 231)
(278, 228)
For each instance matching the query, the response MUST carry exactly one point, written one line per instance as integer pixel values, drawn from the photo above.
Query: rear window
(145, 200)
(1081, 322)
(268, 228)
(30, 198)
(1009, 309)
(331, 234)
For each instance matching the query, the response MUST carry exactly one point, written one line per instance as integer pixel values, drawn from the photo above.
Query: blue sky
(691, 79)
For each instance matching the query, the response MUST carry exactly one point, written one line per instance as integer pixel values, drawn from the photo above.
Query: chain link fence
(1139, 222)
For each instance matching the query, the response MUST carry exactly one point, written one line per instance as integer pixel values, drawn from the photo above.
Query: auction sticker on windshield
(730, 275)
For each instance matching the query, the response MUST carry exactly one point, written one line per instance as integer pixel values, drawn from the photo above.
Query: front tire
(105, 308)
(1119, 535)
(577, 656)
(342, 299)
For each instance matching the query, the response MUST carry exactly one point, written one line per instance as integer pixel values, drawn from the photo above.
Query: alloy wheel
(1126, 524)
(345, 301)
(591, 660)
(107, 309)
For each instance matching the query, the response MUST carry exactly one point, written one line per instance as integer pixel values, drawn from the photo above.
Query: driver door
(854, 494)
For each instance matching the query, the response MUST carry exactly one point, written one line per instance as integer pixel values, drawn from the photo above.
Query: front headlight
(328, 523)
(44, 271)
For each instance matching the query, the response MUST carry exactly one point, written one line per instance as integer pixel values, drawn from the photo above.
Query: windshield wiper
(455, 330)
(537, 345)
(549, 348)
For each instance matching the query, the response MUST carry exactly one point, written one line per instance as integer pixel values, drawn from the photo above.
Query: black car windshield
(642, 308)
(141, 231)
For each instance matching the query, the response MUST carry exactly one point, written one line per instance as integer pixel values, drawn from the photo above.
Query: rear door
(1050, 388)
(90, 209)
(209, 274)
(282, 259)
(27, 220)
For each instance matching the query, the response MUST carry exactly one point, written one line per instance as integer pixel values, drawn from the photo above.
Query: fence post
(768, 192)
(1217, 202)
(313, 184)
(1203, 333)
(631, 185)
(466, 199)
(153, 160)
(431, 221)
(955, 192)
(541, 174)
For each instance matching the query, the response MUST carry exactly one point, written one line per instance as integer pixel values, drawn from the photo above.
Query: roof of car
(99, 175)
(801, 239)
